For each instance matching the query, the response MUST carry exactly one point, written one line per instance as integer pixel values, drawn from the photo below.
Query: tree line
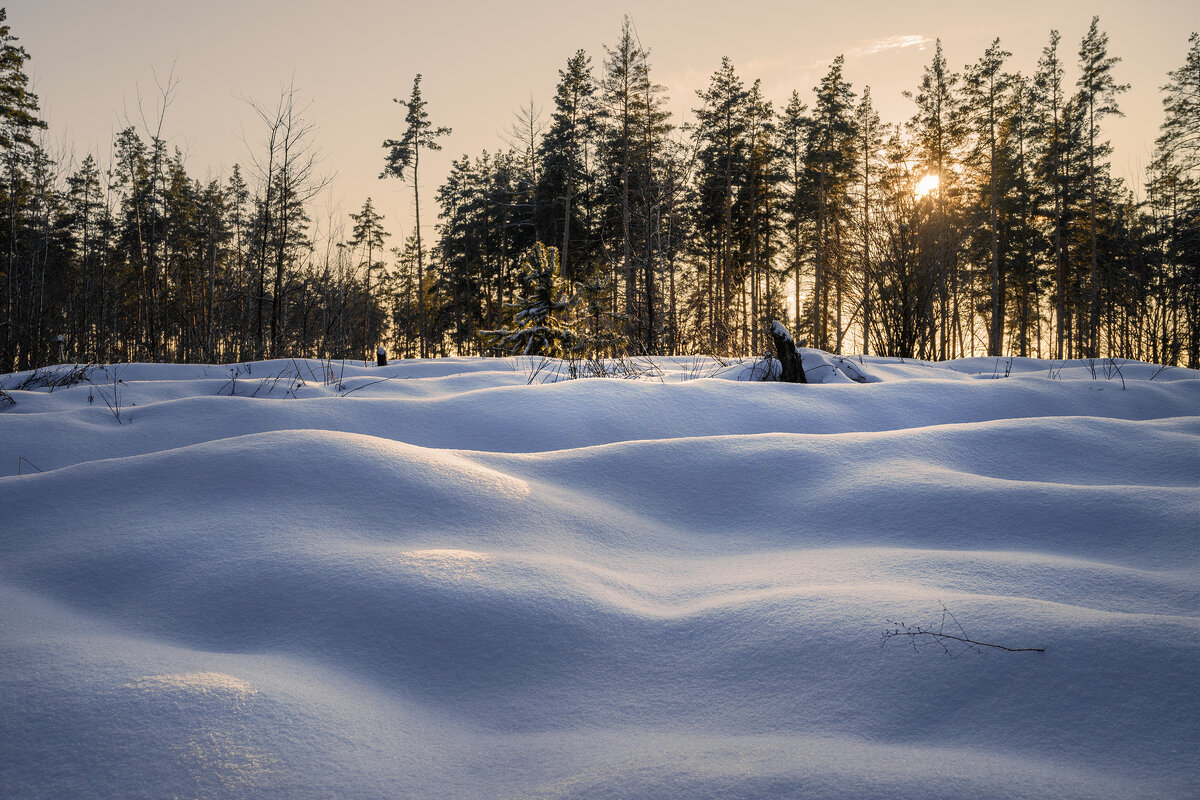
(987, 223)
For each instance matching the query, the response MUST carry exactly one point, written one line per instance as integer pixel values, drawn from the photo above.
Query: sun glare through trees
(926, 186)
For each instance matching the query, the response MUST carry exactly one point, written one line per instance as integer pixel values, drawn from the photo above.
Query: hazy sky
(483, 60)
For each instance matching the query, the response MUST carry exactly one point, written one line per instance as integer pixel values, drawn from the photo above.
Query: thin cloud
(889, 43)
(813, 69)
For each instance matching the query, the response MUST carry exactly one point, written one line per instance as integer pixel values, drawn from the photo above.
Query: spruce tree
(241, 282)
(84, 222)
(368, 234)
(541, 322)
(831, 162)
(464, 245)
(564, 196)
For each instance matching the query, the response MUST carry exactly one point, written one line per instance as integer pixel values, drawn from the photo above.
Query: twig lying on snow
(919, 635)
(27, 461)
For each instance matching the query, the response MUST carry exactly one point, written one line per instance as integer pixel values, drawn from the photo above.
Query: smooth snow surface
(478, 579)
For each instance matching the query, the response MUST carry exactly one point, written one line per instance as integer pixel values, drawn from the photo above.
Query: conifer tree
(1021, 209)
(722, 122)
(1174, 190)
(985, 88)
(18, 122)
(18, 106)
(868, 146)
(214, 233)
(793, 126)
(241, 283)
(1097, 96)
(368, 234)
(403, 161)
(633, 125)
(541, 315)
(465, 233)
(830, 161)
(938, 131)
(84, 223)
(1179, 140)
(132, 171)
(1052, 129)
(758, 199)
(564, 196)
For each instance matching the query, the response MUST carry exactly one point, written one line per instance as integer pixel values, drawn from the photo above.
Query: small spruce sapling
(542, 323)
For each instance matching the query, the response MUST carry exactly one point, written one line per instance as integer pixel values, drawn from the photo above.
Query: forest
(988, 223)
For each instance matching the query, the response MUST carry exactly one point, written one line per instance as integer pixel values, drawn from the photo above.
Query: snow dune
(476, 580)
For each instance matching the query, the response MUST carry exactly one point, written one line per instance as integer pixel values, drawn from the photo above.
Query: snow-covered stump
(792, 368)
(381, 357)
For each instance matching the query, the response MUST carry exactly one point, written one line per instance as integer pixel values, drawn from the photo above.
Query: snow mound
(469, 581)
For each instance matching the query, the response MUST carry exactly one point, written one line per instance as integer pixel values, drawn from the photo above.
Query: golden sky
(483, 60)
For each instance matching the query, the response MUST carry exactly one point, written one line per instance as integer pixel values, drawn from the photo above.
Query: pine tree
(182, 286)
(938, 129)
(985, 88)
(1052, 129)
(794, 125)
(868, 146)
(1179, 141)
(633, 127)
(722, 123)
(403, 161)
(1020, 208)
(1097, 98)
(133, 180)
(1174, 190)
(18, 106)
(18, 122)
(758, 197)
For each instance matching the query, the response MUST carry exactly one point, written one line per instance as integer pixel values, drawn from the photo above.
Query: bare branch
(919, 635)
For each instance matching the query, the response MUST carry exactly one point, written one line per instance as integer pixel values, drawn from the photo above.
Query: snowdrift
(476, 578)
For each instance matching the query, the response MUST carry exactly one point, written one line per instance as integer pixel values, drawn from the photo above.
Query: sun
(926, 185)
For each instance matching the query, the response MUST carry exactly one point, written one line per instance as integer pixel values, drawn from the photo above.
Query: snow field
(458, 583)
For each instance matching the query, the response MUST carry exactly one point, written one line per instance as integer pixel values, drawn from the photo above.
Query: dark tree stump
(381, 357)
(792, 367)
